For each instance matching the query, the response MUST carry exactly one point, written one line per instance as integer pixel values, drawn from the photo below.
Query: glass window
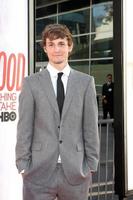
(82, 66)
(73, 5)
(99, 1)
(45, 2)
(99, 69)
(40, 55)
(101, 47)
(102, 18)
(40, 2)
(81, 47)
(100, 30)
(77, 22)
(40, 24)
(40, 12)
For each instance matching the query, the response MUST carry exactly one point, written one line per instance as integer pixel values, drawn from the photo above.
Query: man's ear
(44, 48)
(70, 48)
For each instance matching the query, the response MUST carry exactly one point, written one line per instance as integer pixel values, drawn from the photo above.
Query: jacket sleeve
(90, 126)
(24, 127)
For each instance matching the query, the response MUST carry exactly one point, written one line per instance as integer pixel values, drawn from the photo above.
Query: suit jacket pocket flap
(36, 146)
(79, 147)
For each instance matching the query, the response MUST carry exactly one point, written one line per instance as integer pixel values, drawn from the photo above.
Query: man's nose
(56, 48)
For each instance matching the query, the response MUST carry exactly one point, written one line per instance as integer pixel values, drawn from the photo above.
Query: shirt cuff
(22, 172)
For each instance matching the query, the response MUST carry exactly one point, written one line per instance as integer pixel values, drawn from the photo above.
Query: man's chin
(58, 62)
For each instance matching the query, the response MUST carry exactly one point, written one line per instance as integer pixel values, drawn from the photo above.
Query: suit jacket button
(58, 127)
(60, 141)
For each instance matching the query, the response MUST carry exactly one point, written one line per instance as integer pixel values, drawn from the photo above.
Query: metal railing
(103, 180)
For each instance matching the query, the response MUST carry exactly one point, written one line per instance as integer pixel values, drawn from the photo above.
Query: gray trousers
(57, 187)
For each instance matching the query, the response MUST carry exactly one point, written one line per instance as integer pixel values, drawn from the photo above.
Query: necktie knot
(60, 75)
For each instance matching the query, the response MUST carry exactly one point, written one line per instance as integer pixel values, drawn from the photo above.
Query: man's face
(57, 51)
(109, 79)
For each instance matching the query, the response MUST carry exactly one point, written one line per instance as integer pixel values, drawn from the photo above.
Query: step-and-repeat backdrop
(13, 68)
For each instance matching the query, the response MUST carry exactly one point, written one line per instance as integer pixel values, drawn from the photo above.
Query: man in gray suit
(57, 146)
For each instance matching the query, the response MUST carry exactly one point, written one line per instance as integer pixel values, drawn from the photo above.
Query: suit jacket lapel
(69, 92)
(48, 89)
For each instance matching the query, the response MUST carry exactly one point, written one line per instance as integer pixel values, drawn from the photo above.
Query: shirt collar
(53, 71)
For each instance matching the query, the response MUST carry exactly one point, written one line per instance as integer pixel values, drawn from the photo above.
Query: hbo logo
(7, 116)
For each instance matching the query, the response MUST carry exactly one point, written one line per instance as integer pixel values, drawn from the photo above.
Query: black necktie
(60, 92)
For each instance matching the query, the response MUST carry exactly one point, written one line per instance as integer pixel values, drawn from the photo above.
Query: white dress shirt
(54, 75)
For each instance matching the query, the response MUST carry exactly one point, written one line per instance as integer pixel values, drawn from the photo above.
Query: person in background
(108, 97)
(57, 148)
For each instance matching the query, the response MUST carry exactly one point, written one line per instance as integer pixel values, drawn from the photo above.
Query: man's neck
(58, 66)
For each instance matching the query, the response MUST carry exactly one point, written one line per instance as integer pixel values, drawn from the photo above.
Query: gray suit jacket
(42, 136)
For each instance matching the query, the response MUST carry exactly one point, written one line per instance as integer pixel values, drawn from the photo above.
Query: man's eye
(61, 44)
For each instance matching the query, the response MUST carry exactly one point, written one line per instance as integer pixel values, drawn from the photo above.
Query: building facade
(91, 24)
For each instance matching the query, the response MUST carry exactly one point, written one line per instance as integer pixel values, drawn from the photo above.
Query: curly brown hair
(55, 31)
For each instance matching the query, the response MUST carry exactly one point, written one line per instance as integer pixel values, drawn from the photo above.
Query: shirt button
(60, 141)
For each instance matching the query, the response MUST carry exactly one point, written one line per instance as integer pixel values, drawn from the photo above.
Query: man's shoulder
(112, 83)
(82, 75)
(34, 76)
(105, 85)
